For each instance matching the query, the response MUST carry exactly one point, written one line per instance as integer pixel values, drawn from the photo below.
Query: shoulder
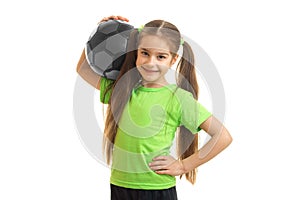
(182, 98)
(105, 89)
(104, 82)
(182, 94)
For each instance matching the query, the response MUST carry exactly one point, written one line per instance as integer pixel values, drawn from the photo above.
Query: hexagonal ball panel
(108, 27)
(116, 44)
(103, 60)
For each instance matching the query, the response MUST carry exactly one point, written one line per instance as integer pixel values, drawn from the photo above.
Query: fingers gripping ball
(106, 47)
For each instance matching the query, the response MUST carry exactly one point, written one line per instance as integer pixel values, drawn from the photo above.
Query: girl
(144, 112)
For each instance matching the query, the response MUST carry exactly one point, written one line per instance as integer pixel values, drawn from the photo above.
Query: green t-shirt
(147, 129)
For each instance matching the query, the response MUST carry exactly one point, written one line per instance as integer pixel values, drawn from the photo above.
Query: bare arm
(85, 71)
(220, 139)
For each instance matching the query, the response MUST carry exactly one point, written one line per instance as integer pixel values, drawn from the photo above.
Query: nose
(151, 60)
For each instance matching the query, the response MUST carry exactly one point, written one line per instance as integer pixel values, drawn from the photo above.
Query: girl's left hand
(167, 165)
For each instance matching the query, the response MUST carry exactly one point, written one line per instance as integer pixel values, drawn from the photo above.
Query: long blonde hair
(187, 143)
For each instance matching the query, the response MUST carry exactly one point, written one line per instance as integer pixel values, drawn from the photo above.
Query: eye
(161, 57)
(144, 53)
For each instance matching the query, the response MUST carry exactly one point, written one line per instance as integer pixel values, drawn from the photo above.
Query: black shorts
(121, 193)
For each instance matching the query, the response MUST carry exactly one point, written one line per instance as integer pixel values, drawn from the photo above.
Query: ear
(174, 59)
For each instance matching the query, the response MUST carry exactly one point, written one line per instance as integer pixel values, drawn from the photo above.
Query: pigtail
(187, 79)
(187, 143)
(121, 95)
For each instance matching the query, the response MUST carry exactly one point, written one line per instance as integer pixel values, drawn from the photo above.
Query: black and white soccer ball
(106, 47)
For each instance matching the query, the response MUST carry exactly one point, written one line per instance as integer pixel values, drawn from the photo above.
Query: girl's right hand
(114, 18)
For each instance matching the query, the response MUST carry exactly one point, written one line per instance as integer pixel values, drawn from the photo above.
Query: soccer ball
(106, 47)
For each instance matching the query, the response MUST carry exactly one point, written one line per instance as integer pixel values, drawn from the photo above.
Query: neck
(154, 84)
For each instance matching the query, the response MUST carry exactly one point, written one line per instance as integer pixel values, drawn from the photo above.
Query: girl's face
(153, 60)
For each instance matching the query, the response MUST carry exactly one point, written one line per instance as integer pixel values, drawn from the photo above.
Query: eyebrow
(162, 53)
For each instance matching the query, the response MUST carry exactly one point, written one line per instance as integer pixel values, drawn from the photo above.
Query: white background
(254, 45)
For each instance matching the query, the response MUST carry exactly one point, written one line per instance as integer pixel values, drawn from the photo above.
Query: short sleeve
(193, 114)
(105, 90)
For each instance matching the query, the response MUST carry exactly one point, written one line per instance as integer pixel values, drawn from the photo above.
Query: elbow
(227, 139)
(78, 68)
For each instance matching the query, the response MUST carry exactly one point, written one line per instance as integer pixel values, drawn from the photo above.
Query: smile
(150, 71)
